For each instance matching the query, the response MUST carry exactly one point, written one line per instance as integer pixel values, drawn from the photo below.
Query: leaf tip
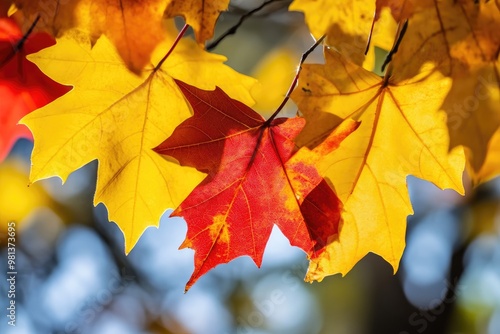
(395, 267)
(127, 248)
(187, 243)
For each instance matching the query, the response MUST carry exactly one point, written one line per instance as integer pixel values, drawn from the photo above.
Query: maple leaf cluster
(171, 126)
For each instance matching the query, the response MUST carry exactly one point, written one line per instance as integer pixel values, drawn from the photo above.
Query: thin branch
(233, 29)
(174, 44)
(295, 80)
(395, 46)
(370, 35)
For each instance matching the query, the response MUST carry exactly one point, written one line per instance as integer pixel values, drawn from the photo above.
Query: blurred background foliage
(73, 276)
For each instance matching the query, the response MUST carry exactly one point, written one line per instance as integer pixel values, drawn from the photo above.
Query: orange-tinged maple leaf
(117, 117)
(461, 38)
(135, 27)
(199, 14)
(23, 87)
(55, 16)
(402, 133)
(4, 8)
(252, 183)
(402, 9)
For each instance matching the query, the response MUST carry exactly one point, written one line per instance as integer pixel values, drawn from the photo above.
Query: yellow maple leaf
(347, 25)
(402, 133)
(461, 38)
(117, 117)
(199, 14)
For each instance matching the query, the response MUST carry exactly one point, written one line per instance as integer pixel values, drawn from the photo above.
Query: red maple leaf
(255, 179)
(23, 87)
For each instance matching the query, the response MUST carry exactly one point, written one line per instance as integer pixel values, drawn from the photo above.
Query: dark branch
(370, 37)
(295, 80)
(233, 29)
(395, 46)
